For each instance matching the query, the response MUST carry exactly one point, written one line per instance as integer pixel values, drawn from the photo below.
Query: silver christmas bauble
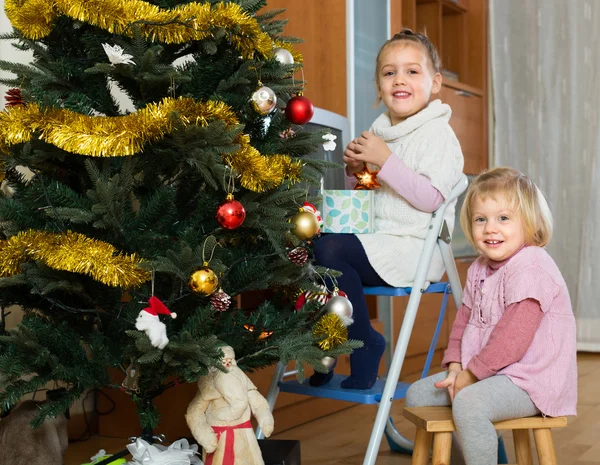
(283, 56)
(328, 362)
(341, 306)
(264, 100)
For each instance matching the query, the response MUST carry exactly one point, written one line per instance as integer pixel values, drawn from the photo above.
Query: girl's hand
(465, 378)
(371, 149)
(350, 160)
(450, 381)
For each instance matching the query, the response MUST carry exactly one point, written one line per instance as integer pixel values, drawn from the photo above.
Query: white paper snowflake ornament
(116, 55)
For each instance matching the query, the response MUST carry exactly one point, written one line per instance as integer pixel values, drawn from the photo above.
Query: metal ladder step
(333, 390)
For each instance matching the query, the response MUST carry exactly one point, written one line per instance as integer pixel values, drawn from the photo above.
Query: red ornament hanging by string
(230, 213)
(299, 110)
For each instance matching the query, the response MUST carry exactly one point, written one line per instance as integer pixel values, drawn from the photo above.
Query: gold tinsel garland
(72, 252)
(184, 23)
(103, 136)
(331, 331)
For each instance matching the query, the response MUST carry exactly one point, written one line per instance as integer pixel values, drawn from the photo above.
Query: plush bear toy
(219, 416)
(147, 321)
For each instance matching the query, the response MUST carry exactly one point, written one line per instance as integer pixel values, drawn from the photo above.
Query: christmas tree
(154, 162)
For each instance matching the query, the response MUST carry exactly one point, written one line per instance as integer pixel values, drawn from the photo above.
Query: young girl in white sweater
(420, 160)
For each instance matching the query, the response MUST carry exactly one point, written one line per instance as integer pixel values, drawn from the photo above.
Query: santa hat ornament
(309, 207)
(158, 308)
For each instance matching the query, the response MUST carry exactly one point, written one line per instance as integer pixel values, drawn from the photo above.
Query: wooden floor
(342, 438)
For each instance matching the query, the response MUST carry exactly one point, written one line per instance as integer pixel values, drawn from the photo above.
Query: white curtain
(546, 91)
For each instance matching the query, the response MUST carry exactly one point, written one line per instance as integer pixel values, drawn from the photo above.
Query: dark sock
(319, 379)
(364, 363)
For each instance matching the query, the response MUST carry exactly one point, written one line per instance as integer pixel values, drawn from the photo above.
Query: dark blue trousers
(345, 253)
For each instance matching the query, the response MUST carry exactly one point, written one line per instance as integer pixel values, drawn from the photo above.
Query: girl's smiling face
(497, 228)
(406, 80)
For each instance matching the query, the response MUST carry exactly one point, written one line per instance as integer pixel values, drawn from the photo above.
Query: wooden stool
(436, 423)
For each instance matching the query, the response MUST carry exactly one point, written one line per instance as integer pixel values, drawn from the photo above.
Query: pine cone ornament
(220, 300)
(13, 97)
(299, 256)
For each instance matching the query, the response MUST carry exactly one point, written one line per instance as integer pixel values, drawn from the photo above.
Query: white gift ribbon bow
(178, 453)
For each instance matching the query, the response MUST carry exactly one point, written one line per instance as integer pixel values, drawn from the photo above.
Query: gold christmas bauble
(204, 281)
(306, 225)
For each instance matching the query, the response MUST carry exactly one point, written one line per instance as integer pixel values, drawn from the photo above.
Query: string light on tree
(264, 335)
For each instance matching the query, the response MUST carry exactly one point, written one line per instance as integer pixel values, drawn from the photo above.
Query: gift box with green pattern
(347, 211)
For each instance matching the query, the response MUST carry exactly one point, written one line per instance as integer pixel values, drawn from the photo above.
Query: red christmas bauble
(231, 213)
(299, 110)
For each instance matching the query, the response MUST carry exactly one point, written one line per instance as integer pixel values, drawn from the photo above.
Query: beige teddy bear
(219, 416)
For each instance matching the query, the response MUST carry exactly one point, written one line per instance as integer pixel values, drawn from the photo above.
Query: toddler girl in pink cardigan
(512, 348)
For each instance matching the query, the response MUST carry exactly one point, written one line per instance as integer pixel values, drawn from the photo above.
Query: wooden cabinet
(468, 123)
(322, 27)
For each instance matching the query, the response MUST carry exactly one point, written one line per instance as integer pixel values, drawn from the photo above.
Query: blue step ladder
(385, 391)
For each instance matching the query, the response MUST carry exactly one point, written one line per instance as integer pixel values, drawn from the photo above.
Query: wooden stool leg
(545, 446)
(420, 454)
(442, 446)
(522, 447)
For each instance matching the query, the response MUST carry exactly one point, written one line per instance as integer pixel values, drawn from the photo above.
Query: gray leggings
(474, 409)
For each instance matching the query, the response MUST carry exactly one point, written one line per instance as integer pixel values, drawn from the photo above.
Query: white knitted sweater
(426, 143)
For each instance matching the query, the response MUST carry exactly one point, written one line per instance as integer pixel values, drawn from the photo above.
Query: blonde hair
(408, 36)
(522, 194)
